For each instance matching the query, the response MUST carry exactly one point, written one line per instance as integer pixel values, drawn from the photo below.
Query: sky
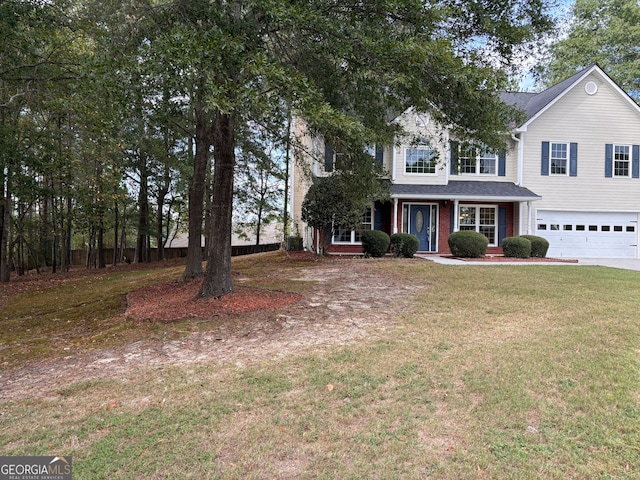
(562, 12)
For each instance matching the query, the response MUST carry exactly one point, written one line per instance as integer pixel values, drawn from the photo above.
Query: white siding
(591, 121)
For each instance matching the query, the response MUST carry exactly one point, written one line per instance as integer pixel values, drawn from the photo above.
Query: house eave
(465, 198)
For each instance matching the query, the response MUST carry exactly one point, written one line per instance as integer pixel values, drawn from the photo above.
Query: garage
(589, 234)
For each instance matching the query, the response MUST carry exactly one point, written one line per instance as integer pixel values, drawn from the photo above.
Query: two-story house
(570, 173)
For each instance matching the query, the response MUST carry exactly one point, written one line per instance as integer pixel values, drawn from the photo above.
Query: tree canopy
(606, 32)
(131, 93)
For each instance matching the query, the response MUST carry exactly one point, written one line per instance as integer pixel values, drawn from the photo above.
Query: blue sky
(562, 12)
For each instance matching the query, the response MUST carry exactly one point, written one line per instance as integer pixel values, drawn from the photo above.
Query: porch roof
(466, 191)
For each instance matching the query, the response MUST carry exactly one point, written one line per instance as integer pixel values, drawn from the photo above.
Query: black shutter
(328, 158)
(453, 145)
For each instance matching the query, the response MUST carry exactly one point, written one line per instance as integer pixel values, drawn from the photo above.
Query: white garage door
(589, 234)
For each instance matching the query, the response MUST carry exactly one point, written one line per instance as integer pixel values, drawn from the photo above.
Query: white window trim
(352, 233)
(479, 157)
(629, 160)
(418, 174)
(567, 166)
(478, 206)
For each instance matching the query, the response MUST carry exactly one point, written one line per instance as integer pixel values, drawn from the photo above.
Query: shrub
(404, 244)
(539, 245)
(375, 243)
(468, 244)
(516, 247)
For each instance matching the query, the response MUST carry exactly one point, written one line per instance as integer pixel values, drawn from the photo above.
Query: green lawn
(493, 372)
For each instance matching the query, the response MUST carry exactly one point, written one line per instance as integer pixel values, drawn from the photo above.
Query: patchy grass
(76, 313)
(494, 372)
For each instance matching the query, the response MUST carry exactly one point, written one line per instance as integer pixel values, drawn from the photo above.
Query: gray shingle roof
(466, 190)
(532, 103)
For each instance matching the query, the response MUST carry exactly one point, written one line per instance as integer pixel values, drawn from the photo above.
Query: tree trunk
(193, 266)
(217, 280)
(259, 225)
(162, 194)
(67, 237)
(5, 210)
(115, 233)
(100, 252)
(142, 252)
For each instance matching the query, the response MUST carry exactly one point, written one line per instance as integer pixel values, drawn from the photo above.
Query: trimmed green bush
(539, 245)
(404, 244)
(468, 244)
(516, 247)
(375, 243)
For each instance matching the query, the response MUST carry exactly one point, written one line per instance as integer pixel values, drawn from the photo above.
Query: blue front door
(420, 225)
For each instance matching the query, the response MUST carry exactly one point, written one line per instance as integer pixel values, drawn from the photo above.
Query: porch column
(529, 212)
(395, 215)
(456, 217)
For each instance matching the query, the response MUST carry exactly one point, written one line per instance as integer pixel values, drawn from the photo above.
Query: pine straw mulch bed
(180, 299)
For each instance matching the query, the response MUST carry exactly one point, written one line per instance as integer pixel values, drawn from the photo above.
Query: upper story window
(621, 161)
(332, 160)
(558, 159)
(476, 160)
(421, 160)
(338, 160)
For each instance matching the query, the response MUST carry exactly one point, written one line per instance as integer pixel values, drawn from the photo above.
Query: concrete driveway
(624, 263)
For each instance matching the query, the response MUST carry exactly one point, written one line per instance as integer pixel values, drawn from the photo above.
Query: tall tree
(343, 66)
(606, 32)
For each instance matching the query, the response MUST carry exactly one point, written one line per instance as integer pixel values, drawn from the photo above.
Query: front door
(420, 225)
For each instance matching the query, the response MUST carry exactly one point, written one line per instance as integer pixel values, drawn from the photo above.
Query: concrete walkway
(623, 263)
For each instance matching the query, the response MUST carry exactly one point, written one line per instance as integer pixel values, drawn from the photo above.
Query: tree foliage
(606, 32)
(329, 202)
(102, 101)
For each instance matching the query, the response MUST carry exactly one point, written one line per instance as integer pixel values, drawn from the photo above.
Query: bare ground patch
(349, 301)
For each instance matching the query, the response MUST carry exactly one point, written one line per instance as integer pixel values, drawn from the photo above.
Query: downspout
(519, 178)
(393, 162)
(520, 158)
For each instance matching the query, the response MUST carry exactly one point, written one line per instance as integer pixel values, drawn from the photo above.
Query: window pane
(558, 160)
(490, 233)
(488, 161)
(420, 160)
(480, 219)
(342, 235)
(487, 216)
(621, 161)
(468, 216)
(488, 166)
(467, 158)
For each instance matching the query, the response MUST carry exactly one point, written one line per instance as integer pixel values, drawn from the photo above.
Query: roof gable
(535, 104)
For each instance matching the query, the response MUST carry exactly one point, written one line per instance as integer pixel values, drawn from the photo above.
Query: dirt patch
(349, 301)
